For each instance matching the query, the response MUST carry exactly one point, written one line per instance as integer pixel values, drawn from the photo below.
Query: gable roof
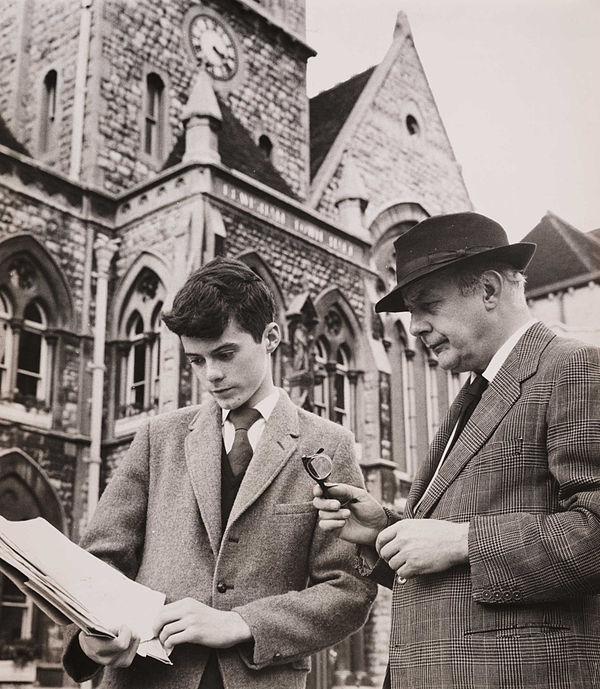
(329, 110)
(239, 152)
(7, 139)
(563, 253)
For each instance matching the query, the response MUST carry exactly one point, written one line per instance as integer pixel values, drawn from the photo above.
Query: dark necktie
(471, 400)
(241, 451)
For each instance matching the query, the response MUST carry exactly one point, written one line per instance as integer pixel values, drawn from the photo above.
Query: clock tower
(146, 56)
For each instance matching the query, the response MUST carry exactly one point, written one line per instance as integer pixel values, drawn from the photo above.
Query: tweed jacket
(525, 472)
(159, 522)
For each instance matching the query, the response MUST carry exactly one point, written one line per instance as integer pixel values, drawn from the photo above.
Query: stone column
(104, 250)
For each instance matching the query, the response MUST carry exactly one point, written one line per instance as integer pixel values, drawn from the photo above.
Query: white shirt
(264, 407)
(489, 374)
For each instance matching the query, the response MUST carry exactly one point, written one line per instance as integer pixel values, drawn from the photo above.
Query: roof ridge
(571, 235)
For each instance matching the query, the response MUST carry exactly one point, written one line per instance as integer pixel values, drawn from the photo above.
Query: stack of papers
(71, 585)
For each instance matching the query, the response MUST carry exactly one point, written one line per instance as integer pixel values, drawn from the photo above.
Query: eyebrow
(216, 350)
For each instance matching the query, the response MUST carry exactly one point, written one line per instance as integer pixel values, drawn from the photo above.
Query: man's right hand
(118, 652)
(359, 522)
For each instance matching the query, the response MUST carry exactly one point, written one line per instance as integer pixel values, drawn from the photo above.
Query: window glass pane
(33, 313)
(11, 593)
(12, 620)
(30, 348)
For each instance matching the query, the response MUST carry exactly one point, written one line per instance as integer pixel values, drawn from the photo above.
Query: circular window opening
(412, 125)
(266, 145)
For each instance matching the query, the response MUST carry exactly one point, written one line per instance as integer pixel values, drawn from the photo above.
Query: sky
(517, 84)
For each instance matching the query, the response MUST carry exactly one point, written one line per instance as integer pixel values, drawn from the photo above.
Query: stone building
(137, 141)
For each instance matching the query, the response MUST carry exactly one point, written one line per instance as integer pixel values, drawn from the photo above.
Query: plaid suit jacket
(525, 473)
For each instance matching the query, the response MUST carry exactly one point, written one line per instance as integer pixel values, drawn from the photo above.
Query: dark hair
(223, 290)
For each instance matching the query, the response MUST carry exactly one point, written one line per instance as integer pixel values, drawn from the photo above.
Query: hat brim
(517, 255)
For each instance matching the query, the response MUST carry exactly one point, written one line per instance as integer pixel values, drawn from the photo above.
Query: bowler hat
(445, 240)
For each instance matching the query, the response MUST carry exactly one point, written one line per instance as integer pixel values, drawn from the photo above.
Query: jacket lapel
(278, 441)
(203, 456)
(500, 396)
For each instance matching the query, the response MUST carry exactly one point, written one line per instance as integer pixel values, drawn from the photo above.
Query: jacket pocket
(294, 508)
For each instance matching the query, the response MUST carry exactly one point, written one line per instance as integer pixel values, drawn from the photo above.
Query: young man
(212, 506)
(494, 565)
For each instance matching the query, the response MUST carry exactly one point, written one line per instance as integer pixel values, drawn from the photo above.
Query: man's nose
(418, 325)
(213, 372)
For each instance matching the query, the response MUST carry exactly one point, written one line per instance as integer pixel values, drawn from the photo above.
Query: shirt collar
(502, 354)
(264, 407)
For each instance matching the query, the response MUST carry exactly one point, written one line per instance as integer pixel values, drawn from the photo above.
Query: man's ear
(272, 337)
(492, 283)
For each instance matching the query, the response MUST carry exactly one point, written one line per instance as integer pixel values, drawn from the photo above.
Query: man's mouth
(436, 347)
(221, 391)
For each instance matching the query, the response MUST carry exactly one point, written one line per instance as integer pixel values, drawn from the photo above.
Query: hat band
(433, 259)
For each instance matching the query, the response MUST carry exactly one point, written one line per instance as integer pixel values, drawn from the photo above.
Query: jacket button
(277, 656)
(221, 587)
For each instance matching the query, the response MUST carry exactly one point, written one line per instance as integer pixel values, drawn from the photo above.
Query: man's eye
(196, 361)
(225, 356)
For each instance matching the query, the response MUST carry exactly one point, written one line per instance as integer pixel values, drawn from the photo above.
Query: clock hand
(219, 53)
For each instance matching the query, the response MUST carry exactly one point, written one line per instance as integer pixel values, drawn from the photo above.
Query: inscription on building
(283, 218)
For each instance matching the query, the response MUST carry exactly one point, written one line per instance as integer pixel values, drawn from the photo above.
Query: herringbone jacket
(525, 473)
(159, 521)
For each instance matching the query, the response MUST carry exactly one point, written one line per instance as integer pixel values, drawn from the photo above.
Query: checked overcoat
(159, 522)
(525, 472)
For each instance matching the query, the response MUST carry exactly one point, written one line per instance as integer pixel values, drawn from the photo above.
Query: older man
(495, 560)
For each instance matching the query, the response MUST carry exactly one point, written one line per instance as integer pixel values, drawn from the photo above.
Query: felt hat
(446, 240)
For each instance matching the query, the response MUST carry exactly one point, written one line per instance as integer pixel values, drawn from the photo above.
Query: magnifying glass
(319, 467)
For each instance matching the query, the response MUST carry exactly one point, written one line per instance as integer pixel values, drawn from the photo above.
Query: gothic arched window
(139, 346)
(334, 392)
(27, 342)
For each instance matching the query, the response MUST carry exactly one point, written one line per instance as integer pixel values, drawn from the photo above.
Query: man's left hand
(423, 546)
(187, 621)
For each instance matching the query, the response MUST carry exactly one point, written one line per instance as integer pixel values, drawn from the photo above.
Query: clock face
(213, 46)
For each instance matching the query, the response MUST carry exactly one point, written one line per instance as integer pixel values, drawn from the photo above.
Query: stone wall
(395, 165)
(269, 100)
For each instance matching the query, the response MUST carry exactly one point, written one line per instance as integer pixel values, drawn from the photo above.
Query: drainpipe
(83, 54)
(104, 250)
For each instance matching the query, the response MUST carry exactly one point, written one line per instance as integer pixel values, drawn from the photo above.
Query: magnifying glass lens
(320, 467)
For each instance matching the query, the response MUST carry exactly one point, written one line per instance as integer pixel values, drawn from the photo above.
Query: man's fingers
(170, 629)
(169, 613)
(386, 536)
(326, 505)
(332, 524)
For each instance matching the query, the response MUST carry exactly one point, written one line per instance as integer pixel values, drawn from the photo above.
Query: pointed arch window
(334, 392)
(48, 114)
(154, 116)
(27, 339)
(139, 347)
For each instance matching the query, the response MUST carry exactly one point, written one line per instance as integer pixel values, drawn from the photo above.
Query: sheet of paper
(90, 592)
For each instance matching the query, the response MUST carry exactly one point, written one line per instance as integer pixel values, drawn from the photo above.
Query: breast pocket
(294, 508)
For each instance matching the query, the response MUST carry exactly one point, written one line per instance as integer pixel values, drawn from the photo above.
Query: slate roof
(239, 152)
(7, 139)
(329, 110)
(563, 253)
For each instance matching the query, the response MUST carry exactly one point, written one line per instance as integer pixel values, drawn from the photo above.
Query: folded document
(71, 585)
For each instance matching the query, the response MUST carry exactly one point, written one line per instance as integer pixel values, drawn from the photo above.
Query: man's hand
(359, 522)
(423, 546)
(118, 652)
(187, 621)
